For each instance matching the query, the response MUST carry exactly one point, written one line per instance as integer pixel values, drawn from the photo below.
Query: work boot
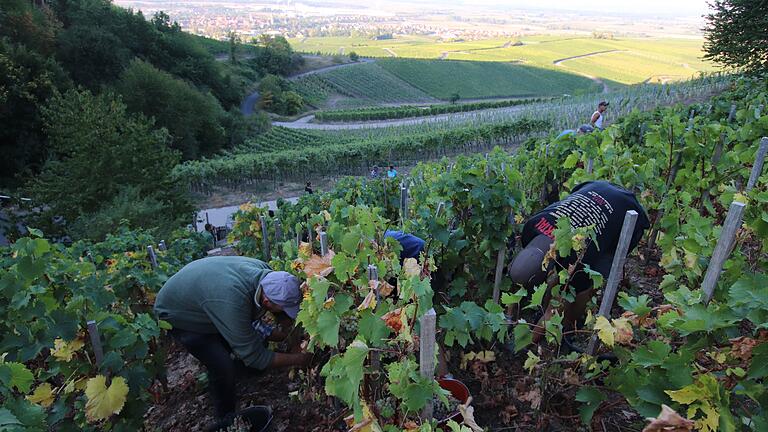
(259, 417)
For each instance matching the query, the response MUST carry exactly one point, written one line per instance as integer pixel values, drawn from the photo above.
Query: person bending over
(596, 203)
(216, 306)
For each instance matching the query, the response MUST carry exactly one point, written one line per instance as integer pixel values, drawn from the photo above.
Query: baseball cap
(604, 103)
(282, 288)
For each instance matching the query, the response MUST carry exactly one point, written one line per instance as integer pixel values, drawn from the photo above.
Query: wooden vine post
(323, 243)
(98, 351)
(757, 168)
(403, 202)
(162, 246)
(265, 238)
(722, 249)
(499, 273)
(427, 353)
(278, 237)
(373, 277)
(617, 270)
(152, 256)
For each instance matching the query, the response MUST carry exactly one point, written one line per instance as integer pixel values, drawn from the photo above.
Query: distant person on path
(308, 188)
(391, 172)
(598, 118)
(216, 306)
(595, 203)
(583, 129)
(375, 172)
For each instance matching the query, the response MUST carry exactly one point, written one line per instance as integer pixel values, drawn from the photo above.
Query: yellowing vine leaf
(624, 332)
(468, 413)
(63, 350)
(605, 330)
(318, 265)
(385, 289)
(411, 267)
(369, 302)
(43, 395)
(668, 421)
(305, 250)
(327, 304)
(531, 362)
(104, 401)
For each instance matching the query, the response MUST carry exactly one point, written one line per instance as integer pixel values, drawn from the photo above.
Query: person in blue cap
(216, 306)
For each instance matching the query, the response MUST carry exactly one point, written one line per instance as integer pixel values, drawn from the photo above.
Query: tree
(353, 56)
(193, 118)
(275, 56)
(454, 97)
(98, 151)
(735, 34)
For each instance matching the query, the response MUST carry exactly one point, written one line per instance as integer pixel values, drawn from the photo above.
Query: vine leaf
(104, 401)
(64, 350)
(43, 395)
(605, 331)
(668, 421)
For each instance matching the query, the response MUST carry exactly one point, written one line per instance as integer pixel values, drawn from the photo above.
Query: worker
(391, 172)
(216, 306)
(600, 204)
(598, 117)
(411, 245)
(583, 129)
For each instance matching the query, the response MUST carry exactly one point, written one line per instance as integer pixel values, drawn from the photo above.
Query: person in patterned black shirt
(596, 203)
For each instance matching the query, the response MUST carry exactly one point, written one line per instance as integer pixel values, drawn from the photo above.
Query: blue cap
(282, 289)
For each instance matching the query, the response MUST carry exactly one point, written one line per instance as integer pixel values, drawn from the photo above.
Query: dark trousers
(216, 355)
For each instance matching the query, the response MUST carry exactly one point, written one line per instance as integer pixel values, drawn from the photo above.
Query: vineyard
(81, 350)
(386, 113)
(299, 155)
(472, 79)
(365, 84)
(626, 60)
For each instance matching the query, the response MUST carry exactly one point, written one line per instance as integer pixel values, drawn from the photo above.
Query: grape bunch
(440, 411)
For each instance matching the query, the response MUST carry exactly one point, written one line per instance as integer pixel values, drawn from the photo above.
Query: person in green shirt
(215, 306)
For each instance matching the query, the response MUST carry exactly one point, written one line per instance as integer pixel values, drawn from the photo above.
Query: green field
(634, 60)
(441, 79)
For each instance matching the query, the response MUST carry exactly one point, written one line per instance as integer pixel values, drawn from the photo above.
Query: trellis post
(722, 249)
(162, 246)
(265, 238)
(757, 168)
(278, 237)
(323, 243)
(427, 353)
(152, 256)
(499, 272)
(617, 270)
(98, 351)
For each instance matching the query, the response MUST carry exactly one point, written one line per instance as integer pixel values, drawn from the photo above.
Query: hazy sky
(664, 7)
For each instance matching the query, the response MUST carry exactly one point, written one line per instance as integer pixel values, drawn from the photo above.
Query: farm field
(650, 58)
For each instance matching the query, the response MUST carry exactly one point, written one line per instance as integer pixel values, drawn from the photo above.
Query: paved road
(249, 103)
(304, 122)
(222, 216)
(330, 68)
(559, 62)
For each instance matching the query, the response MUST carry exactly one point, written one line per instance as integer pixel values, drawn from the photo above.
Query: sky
(653, 7)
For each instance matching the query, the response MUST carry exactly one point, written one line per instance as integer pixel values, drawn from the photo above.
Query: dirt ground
(504, 394)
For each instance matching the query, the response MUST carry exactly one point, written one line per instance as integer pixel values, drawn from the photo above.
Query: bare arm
(595, 116)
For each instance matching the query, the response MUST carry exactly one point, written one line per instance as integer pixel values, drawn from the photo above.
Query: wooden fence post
(722, 249)
(499, 272)
(152, 256)
(278, 237)
(98, 351)
(403, 202)
(265, 239)
(427, 353)
(617, 270)
(323, 243)
(757, 168)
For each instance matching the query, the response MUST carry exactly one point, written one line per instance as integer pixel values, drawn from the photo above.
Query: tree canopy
(737, 34)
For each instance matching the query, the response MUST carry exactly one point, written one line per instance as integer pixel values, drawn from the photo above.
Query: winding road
(559, 62)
